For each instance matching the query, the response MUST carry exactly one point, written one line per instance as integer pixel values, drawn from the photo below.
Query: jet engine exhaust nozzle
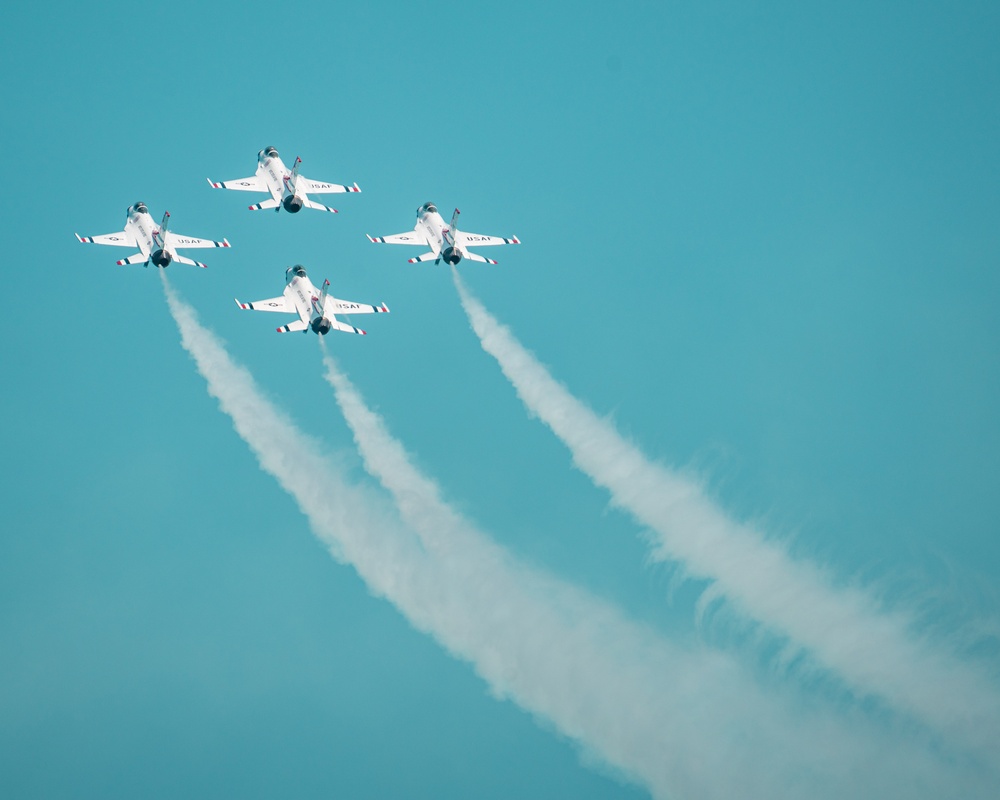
(451, 255)
(321, 325)
(292, 204)
(161, 258)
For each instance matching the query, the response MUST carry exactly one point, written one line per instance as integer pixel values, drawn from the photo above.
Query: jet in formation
(287, 188)
(446, 241)
(316, 309)
(156, 244)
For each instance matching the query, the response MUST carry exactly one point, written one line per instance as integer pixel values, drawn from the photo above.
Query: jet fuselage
(278, 179)
(306, 299)
(148, 235)
(440, 237)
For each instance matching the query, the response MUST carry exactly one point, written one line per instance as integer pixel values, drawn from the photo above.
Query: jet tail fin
(293, 176)
(425, 257)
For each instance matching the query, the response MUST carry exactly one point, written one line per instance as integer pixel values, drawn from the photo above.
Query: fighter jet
(156, 244)
(287, 188)
(446, 241)
(315, 308)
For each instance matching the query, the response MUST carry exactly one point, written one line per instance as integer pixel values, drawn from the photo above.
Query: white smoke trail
(682, 726)
(749, 743)
(873, 651)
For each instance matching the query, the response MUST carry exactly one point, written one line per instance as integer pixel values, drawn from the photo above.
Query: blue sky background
(763, 238)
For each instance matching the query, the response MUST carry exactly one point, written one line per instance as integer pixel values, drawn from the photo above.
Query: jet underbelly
(432, 233)
(274, 172)
(273, 184)
(301, 299)
(142, 231)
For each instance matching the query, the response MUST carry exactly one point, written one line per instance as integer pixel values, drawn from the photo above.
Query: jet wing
(252, 184)
(335, 306)
(478, 240)
(410, 237)
(119, 239)
(282, 304)
(178, 240)
(321, 187)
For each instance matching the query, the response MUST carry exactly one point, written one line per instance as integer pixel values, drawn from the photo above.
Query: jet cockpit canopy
(139, 208)
(268, 152)
(427, 208)
(298, 271)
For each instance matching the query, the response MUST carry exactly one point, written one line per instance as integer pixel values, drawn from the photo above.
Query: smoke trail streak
(873, 651)
(773, 741)
(681, 726)
(539, 664)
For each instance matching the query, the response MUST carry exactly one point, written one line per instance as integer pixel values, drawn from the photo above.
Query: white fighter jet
(156, 244)
(287, 188)
(316, 309)
(446, 241)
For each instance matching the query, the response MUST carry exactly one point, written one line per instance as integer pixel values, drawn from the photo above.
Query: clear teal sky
(764, 239)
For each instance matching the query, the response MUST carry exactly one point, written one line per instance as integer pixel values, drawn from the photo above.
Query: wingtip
(225, 243)
(356, 187)
(211, 183)
(81, 239)
(515, 240)
(370, 239)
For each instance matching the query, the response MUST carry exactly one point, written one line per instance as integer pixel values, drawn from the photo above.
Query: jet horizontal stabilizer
(343, 326)
(266, 204)
(189, 262)
(138, 258)
(291, 327)
(317, 206)
(477, 257)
